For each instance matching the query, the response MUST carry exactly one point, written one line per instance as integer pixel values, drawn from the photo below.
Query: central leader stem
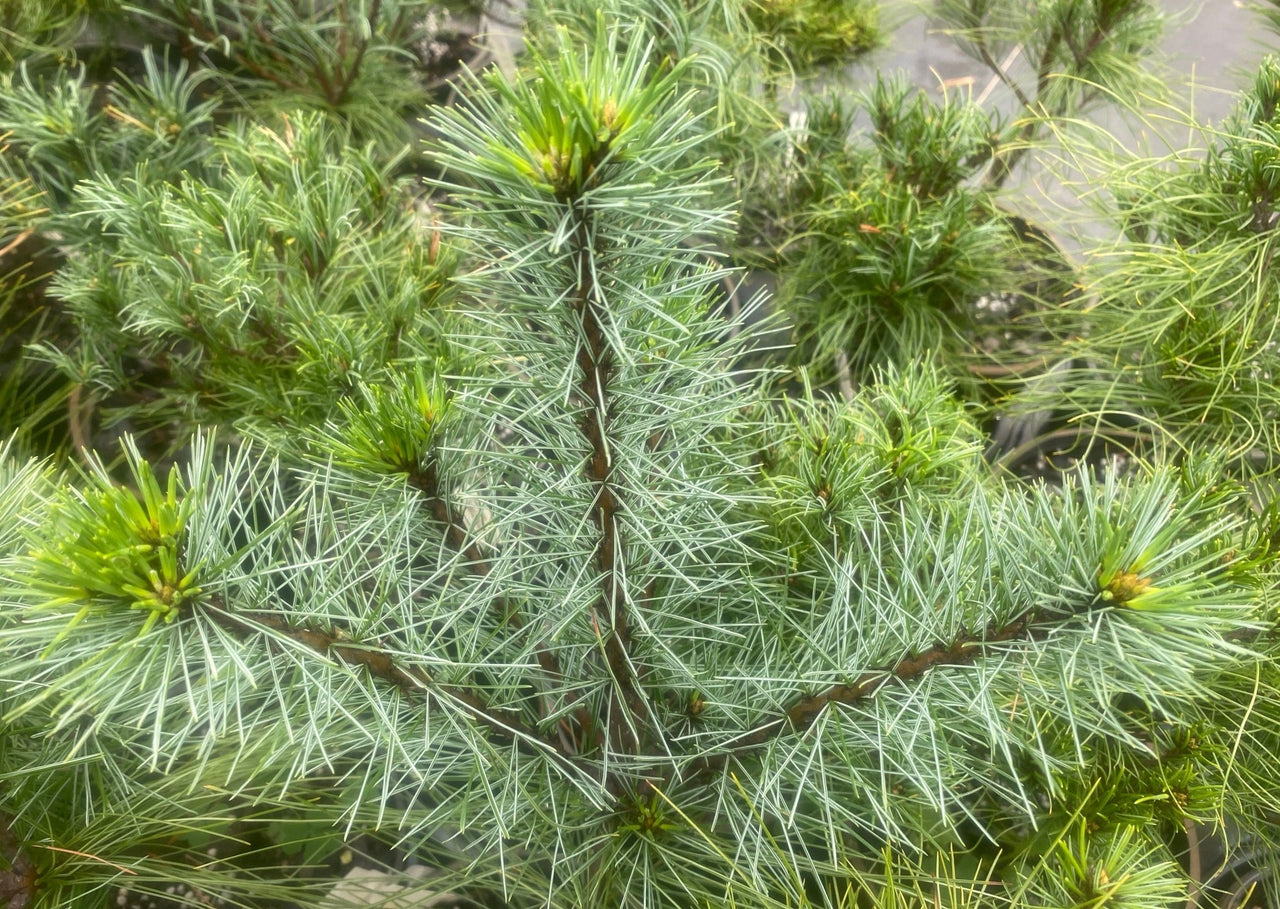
(595, 362)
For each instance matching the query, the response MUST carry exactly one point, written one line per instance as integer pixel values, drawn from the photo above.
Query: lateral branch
(381, 665)
(805, 711)
(427, 481)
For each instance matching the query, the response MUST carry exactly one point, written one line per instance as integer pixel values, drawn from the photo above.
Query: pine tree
(544, 581)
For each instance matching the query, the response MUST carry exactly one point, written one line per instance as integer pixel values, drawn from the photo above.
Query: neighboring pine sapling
(1058, 59)
(1175, 345)
(351, 59)
(260, 291)
(887, 252)
(810, 34)
(31, 28)
(62, 128)
(891, 244)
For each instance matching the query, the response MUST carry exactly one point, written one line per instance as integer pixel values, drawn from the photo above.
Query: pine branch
(985, 55)
(427, 480)
(353, 68)
(806, 710)
(383, 666)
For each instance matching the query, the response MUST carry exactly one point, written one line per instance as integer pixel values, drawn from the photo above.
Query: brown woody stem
(595, 367)
(806, 710)
(382, 666)
(427, 480)
(353, 67)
